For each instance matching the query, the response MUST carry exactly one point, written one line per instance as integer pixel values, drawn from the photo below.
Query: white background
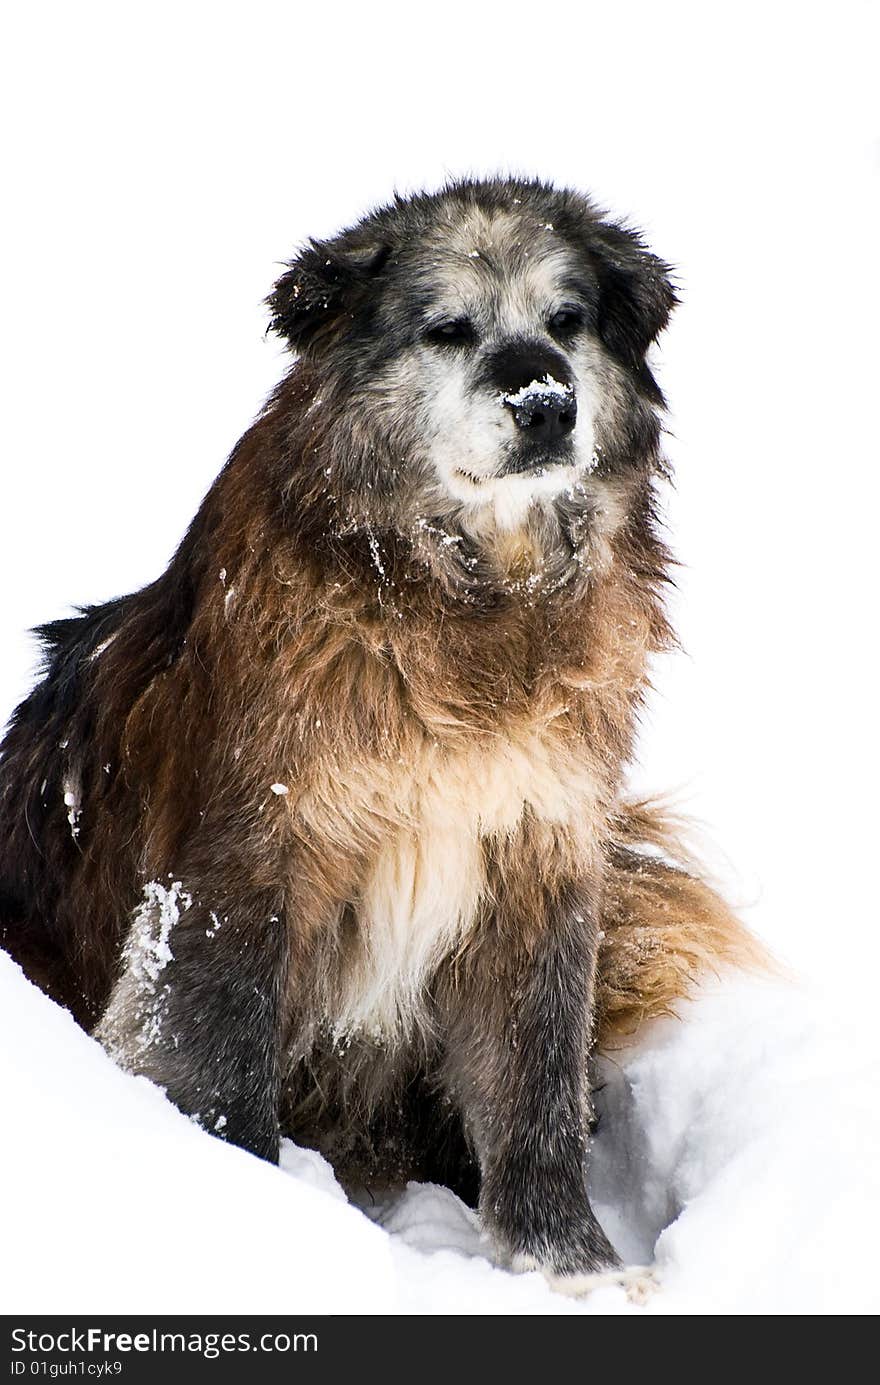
(161, 161)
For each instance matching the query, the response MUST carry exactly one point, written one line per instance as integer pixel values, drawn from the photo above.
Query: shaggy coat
(323, 829)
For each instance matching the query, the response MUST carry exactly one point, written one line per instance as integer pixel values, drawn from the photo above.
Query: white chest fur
(422, 891)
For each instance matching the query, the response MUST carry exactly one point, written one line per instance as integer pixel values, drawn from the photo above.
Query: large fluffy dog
(323, 829)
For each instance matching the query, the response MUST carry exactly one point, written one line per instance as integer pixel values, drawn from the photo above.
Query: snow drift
(737, 1148)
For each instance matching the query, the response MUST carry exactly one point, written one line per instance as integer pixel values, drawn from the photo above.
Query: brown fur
(665, 928)
(296, 628)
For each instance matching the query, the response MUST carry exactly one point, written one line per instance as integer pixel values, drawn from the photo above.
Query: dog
(324, 831)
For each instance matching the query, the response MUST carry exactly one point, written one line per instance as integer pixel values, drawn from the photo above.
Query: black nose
(544, 411)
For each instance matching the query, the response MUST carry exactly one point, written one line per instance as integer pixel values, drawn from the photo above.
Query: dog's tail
(664, 927)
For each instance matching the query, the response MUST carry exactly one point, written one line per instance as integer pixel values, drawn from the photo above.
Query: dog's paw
(638, 1282)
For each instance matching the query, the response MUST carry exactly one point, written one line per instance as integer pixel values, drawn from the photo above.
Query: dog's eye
(455, 332)
(566, 321)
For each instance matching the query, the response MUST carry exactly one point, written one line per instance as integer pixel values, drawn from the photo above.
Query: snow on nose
(544, 409)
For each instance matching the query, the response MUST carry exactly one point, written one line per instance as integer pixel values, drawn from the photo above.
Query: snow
(99, 649)
(746, 1145)
(71, 801)
(150, 951)
(123, 1205)
(548, 388)
(739, 1145)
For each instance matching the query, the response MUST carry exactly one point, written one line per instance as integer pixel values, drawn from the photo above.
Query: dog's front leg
(197, 1007)
(518, 1015)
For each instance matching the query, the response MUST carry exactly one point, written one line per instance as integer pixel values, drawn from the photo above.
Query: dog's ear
(322, 288)
(636, 295)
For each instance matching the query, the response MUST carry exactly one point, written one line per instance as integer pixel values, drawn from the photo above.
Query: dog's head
(485, 347)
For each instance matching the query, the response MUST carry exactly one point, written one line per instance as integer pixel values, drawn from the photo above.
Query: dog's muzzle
(545, 414)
